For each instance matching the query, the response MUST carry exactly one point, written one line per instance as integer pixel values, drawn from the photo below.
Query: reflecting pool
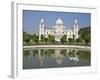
(54, 58)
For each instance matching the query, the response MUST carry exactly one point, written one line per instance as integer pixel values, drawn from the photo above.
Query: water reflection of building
(74, 56)
(41, 58)
(59, 58)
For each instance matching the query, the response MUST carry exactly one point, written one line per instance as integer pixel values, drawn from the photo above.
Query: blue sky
(31, 19)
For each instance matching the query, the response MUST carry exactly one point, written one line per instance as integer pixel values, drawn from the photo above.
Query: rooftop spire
(75, 23)
(42, 20)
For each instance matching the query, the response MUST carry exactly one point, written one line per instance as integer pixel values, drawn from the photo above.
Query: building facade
(58, 30)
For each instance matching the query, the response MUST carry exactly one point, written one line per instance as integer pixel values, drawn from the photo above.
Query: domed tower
(58, 29)
(75, 28)
(41, 28)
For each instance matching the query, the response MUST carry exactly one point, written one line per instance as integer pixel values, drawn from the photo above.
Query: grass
(54, 43)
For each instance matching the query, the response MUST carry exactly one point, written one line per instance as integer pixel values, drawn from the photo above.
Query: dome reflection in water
(54, 58)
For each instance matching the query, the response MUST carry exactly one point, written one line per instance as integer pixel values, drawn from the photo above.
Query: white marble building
(58, 30)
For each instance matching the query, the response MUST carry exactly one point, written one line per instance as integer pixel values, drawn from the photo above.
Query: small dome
(42, 20)
(75, 21)
(59, 21)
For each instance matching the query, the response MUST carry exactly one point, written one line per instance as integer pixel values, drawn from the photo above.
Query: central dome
(59, 21)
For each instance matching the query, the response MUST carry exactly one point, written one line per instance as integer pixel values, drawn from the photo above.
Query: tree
(46, 39)
(79, 40)
(85, 31)
(86, 34)
(87, 39)
(63, 39)
(42, 38)
(70, 40)
(74, 38)
(51, 38)
(35, 38)
(26, 37)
